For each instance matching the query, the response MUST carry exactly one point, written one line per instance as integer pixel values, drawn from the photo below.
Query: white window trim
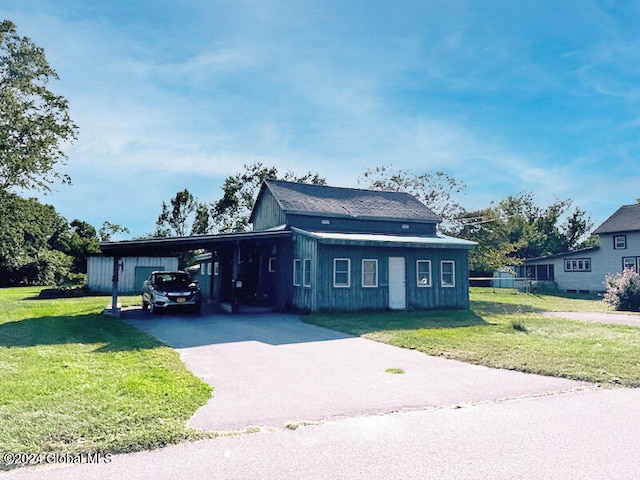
(453, 274)
(216, 269)
(299, 280)
(423, 285)
(623, 244)
(348, 284)
(375, 261)
(304, 272)
(272, 264)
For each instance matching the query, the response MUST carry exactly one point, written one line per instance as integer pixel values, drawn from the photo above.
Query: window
(447, 273)
(216, 268)
(297, 272)
(629, 263)
(423, 273)
(341, 272)
(620, 242)
(272, 264)
(369, 273)
(577, 265)
(306, 272)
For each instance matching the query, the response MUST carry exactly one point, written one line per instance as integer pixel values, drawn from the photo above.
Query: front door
(397, 284)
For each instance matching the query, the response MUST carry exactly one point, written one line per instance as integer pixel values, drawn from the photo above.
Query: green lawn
(506, 329)
(74, 381)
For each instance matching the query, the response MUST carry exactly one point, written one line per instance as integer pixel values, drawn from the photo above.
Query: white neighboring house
(584, 271)
(133, 272)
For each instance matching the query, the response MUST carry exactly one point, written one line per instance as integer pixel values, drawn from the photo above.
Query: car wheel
(145, 305)
(152, 309)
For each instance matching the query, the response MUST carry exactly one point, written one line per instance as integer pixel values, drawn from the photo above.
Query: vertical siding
(267, 213)
(100, 272)
(357, 297)
(304, 298)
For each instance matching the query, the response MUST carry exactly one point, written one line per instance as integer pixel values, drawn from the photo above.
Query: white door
(397, 284)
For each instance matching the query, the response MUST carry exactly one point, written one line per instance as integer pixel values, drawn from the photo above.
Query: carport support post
(115, 311)
(235, 307)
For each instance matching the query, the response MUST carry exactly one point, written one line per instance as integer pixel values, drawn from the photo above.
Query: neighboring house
(585, 270)
(320, 248)
(133, 271)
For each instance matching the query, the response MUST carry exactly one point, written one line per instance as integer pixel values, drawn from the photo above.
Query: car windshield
(177, 279)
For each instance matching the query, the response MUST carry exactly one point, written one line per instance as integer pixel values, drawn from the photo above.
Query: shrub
(623, 291)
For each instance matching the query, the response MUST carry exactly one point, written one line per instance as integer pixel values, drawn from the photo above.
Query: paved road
(582, 435)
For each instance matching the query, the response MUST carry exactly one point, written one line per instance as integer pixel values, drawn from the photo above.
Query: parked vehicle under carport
(171, 291)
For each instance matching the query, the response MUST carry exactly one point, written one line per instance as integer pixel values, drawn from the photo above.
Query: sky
(506, 96)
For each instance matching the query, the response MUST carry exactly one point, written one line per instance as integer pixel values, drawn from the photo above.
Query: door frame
(397, 284)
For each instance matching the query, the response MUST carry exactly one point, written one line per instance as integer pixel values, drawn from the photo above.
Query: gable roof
(625, 219)
(302, 198)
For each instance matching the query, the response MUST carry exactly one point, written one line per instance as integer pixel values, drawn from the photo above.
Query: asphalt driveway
(269, 370)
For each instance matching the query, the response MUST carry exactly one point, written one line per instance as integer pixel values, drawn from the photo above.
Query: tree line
(38, 246)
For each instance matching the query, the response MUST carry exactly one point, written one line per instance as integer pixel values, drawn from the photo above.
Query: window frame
(306, 271)
(444, 284)
(272, 264)
(582, 264)
(623, 243)
(348, 272)
(297, 272)
(418, 283)
(375, 272)
(216, 269)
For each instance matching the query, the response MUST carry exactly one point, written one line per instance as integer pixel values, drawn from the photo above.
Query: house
(584, 270)
(321, 248)
(133, 272)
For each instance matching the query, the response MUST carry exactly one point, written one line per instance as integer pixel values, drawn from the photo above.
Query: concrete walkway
(613, 318)
(272, 369)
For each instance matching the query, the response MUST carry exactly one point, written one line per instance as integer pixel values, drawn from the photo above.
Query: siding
(604, 261)
(356, 297)
(267, 213)
(100, 272)
(354, 225)
(303, 297)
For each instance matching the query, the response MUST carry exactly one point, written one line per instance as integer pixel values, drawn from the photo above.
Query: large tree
(34, 121)
(437, 190)
(231, 213)
(517, 228)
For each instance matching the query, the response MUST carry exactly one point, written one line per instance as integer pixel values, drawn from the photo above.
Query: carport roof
(171, 245)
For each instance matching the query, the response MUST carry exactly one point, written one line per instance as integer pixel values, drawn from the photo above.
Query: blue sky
(506, 96)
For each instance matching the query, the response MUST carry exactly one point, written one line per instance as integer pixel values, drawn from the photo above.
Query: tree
(30, 233)
(80, 242)
(231, 213)
(516, 228)
(34, 122)
(109, 229)
(437, 190)
(178, 219)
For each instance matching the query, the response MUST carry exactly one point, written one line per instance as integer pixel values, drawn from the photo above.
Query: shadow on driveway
(210, 328)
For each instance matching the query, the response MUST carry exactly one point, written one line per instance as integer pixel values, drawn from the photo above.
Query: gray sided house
(585, 270)
(319, 248)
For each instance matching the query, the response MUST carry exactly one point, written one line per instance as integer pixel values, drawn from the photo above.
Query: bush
(623, 291)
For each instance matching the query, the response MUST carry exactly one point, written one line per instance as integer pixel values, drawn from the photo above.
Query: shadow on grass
(497, 308)
(363, 323)
(114, 335)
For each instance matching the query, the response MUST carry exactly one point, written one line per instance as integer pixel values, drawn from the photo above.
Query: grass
(507, 329)
(74, 381)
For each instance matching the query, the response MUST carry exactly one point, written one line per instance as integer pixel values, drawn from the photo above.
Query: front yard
(74, 381)
(506, 329)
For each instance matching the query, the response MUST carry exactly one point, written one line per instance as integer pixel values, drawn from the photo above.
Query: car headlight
(161, 293)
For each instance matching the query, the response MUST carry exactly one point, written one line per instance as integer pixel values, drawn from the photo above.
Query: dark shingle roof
(348, 202)
(625, 219)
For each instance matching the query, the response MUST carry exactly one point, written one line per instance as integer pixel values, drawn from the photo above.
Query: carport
(251, 265)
